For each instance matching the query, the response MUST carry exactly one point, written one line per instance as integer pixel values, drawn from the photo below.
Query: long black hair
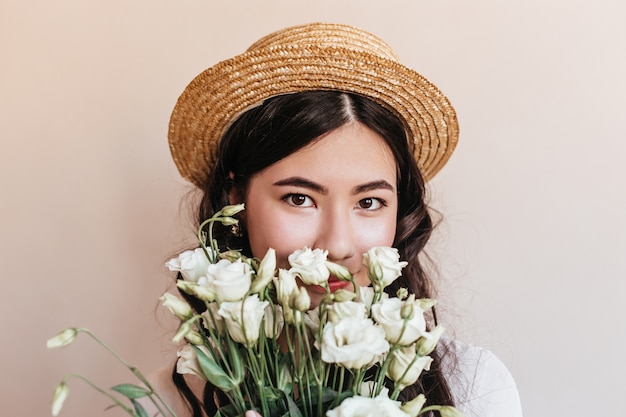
(284, 124)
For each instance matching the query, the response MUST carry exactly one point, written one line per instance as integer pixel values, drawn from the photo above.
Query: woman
(328, 141)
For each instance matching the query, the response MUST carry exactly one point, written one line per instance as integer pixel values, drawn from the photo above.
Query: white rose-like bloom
(388, 313)
(192, 264)
(310, 265)
(345, 309)
(353, 343)
(399, 364)
(383, 264)
(358, 406)
(230, 280)
(188, 361)
(244, 328)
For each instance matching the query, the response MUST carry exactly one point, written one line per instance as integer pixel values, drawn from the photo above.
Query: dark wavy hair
(281, 126)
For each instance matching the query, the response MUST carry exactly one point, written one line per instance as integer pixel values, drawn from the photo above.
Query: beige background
(532, 248)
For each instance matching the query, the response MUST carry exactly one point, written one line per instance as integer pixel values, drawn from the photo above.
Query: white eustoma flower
(403, 370)
(310, 265)
(345, 309)
(243, 318)
(383, 265)
(187, 362)
(192, 264)
(388, 313)
(230, 280)
(358, 406)
(352, 343)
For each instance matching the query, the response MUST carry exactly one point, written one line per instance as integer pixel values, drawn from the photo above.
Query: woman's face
(337, 194)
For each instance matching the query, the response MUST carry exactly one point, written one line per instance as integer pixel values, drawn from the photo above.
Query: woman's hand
(252, 413)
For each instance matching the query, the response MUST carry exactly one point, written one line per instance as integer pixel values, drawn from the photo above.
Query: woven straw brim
(217, 96)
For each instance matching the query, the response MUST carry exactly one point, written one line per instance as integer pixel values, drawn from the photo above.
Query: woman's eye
(371, 203)
(299, 200)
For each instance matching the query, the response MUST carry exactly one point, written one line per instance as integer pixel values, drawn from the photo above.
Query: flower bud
(58, 398)
(231, 210)
(426, 303)
(339, 271)
(194, 338)
(63, 338)
(414, 406)
(176, 306)
(342, 295)
(265, 273)
(186, 286)
(228, 221)
(408, 308)
(300, 300)
(231, 255)
(402, 293)
(427, 343)
(184, 329)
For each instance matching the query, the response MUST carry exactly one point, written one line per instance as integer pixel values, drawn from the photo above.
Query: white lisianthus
(388, 313)
(243, 318)
(344, 309)
(230, 280)
(353, 343)
(383, 265)
(358, 406)
(192, 264)
(310, 265)
(404, 369)
(187, 362)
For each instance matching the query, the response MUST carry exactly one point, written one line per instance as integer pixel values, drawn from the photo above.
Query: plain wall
(532, 247)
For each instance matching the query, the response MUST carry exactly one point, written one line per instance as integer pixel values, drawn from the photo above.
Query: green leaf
(131, 391)
(139, 410)
(214, 373)
(292, 407)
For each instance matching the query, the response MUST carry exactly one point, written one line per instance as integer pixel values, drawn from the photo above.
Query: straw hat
(316, 56)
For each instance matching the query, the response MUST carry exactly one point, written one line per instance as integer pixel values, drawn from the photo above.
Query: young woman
(328, 141)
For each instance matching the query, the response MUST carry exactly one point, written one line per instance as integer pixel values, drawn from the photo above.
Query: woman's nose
(336, 236)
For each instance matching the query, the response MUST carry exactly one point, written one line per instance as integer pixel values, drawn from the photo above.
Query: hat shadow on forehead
(309, 57)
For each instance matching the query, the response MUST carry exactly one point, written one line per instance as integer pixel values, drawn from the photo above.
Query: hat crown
(326, 35)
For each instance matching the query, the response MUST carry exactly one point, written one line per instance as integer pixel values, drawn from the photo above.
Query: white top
(481, 384)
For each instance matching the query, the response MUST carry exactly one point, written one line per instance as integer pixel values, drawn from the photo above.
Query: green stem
(102, 391)
(133, 369)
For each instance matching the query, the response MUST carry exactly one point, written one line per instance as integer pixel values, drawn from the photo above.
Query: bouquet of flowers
(260, 343)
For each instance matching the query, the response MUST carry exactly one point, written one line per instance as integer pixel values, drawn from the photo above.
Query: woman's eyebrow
(304, 183)
(371, 186)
